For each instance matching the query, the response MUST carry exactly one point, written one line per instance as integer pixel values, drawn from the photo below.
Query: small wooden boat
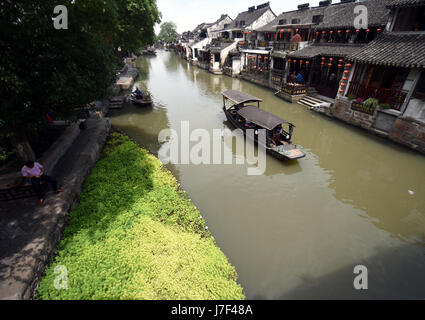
(244, 117)
(145, 100)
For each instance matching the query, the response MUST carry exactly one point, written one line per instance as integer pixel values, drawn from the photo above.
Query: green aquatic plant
(136, 235)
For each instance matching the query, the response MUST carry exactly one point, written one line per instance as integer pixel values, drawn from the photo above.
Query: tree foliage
(44, 69)
(168, 32)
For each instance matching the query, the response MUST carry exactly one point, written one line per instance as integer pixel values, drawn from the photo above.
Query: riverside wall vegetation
(136, 235)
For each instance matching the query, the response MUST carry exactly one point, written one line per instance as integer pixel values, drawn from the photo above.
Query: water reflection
(298, 230)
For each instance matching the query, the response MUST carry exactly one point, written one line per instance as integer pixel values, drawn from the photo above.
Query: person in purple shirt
(35, 171)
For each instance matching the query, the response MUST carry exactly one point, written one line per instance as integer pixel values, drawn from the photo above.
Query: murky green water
(299, 230)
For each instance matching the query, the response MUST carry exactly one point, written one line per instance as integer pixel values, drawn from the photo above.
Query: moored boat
(144, 100)
(245, 116)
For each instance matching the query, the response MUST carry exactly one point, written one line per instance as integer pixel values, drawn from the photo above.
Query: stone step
(310, 101)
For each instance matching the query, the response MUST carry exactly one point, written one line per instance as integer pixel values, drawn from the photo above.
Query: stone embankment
(29, 233)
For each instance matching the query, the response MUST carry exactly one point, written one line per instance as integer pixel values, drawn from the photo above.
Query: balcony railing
(395, 98)
(285, 46)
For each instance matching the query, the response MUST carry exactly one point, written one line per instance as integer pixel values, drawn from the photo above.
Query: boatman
(35, 171)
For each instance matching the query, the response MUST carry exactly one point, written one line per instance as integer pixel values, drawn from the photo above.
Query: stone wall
(405, 130)
(409, 132)
(342, 110)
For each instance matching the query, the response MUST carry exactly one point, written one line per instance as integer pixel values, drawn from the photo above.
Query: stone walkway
(29, 232)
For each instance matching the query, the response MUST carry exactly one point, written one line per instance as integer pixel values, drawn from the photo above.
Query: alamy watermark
(361, 281)
(61, 20)
(61, 281)
(215, 150)
(361, 19)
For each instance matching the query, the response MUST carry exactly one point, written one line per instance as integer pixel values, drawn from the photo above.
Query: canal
(298, 230)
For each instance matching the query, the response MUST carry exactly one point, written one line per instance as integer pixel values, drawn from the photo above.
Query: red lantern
(343, 85)
(341, 91)
(346, 72)
(340, 66)
(344, 78)
(348, 65)
(289, 60)
(339, 31)
(295, 61)
(331, 59)
(301, 62)
(266, 58)
(317, 33)
(282, 31)
(329, 64)
(348, 31)
(340, 60)
(289, 30)
(307, 62)
(323, 58)
(379, 30)
(368, 30)
(332, 32)
(296, 30)
(322, 63)
(323, 32)
(358, 30)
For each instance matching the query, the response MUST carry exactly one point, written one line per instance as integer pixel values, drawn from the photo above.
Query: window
(410, 19)
(419, 92)
(282, 21)
(242, 23)
(317, 19)
(295, 21)
(236, 23)
(226, 26)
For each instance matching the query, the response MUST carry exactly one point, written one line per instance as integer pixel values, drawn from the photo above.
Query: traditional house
(287, 32)
(333, 39)
(241, 30)
(204, 34)
(215, 28)
(385, 86)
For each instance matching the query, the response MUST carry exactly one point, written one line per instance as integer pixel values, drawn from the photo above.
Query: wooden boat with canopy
(243, 115)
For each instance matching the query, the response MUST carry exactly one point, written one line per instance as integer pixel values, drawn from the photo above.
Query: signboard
(356, 106)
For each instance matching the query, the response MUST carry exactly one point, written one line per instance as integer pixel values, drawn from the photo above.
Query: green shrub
(135, 235)
(351, 96)
(371, 102)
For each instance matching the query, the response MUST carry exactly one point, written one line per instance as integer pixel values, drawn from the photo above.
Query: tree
(168, 32)
(44, 69)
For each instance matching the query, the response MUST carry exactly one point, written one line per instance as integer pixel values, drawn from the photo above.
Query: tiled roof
(394, 49)
(402, 3)
(248, 17)
(342, 15)
(326, 50)
(305, 17)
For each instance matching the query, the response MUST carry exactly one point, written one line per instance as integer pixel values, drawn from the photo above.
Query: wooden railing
(284, 46)
(395, 98)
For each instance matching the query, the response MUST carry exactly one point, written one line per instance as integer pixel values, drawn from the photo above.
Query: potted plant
(351, 97)
(384, 106)
(371, 103)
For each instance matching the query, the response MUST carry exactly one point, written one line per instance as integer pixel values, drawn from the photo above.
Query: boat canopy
(260, 117)
(239, 97)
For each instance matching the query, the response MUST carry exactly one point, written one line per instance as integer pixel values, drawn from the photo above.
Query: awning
(260, 117)
(239, 97)
(394, 49)
(253, 51)
(325, 50)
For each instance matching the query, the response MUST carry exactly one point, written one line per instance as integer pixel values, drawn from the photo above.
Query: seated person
(35, 171)
(138, 93)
